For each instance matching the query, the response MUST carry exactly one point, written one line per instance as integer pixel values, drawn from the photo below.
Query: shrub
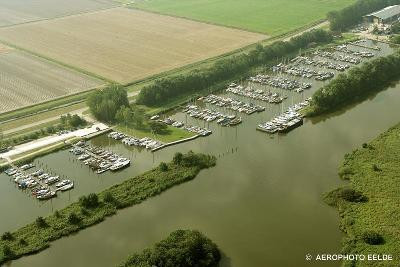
(40, 222)
(163, 167)
(73, 218)
(84, 212)
(57, 214)
(108, 198)
(177, 158)
(22, 242)
(376, 168)
(91, 201)
(7, 252)
(7, 236)
(372, 238)
(346, 194)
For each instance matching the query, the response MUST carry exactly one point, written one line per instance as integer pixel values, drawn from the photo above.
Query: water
(262, 203)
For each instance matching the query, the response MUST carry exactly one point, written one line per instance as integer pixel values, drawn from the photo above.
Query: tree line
(356, 85)
(163, 90)
(351, 15)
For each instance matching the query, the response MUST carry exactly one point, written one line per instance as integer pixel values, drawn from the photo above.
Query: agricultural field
(123, 44)
(272, 17)
(22, 11)
(26, 80)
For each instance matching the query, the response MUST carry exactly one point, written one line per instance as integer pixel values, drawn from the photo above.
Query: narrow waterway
(262, 203)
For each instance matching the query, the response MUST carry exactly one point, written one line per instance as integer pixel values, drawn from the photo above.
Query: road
(80, 112)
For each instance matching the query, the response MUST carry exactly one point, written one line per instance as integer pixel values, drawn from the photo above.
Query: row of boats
(232, 104)
(286, 121)
(145, 142)
(304, 72)
(338, 57)
(41, 184)
(99, 159)
(180, 124)
(279, 82)
(209, 115)
(320, 63)
(258, 94)
(345, 49)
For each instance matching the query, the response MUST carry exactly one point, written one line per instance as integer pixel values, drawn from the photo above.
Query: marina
(42, 185)
(98, 159)
(258, 94)
(232, 104)
(211, 115)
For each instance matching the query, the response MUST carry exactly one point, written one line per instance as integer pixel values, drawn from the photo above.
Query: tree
(372, 238)
(157, 127)
(177, 158)
(7, 236)
(104, 104)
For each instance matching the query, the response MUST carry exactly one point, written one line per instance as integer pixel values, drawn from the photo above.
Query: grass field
(124, 44)
(22, 11)
(272, 17)
(27, 80)
(373, 171)
(174, 134)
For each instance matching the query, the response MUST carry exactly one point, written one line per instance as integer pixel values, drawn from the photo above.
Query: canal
(262, 203)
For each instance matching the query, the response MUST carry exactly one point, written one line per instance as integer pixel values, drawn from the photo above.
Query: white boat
(47, 195)
(67, 187)
(120, 164)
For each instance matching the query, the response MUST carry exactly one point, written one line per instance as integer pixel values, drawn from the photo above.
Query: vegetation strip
(164, 90)
(182, 248)
(369, 206)
(356, 85)
(94, 208)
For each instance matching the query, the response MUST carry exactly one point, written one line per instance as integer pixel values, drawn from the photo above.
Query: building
(384, 16)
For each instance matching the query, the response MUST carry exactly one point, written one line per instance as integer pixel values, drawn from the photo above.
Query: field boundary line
(60, 63)
(60, 16)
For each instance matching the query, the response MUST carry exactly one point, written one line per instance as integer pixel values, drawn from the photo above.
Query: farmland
(22, 11)
(27, 80)
(272, 17)
(123, 44)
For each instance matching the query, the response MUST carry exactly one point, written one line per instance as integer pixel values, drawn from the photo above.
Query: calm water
(261, 204)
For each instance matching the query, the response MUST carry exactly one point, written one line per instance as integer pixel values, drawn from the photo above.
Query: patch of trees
(356, 85)
(163, 90)
(182, 248)
(372, 238)
(104, 104)
(192, 159)
(73, 121)
(351, 15)
(344, 194)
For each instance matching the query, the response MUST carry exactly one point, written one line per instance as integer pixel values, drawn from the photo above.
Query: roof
(386, 13)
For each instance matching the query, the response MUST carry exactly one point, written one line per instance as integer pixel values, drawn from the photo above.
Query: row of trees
(182, 248)
(357, 84)
(163, 90)
(351, 15)
(104, 104)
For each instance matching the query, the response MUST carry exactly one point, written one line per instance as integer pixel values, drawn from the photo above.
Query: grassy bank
(182, 248)
(93, 209)
(356, 85)
(369, 206)
(172, 134)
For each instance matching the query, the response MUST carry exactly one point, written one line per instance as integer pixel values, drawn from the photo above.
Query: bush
(7, 252)
(376, 168)
(84, 212)
(108, 198)
(7, 236)
(57, 214)
(372, 238)
(177, 158)
(40, 222)
(91, 201)
(163, 167)
(73, 218)
(22, 242)
(346, 194)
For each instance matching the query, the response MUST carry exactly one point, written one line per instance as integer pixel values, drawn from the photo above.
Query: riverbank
(36, 236)
(369, 206)
(356, 85)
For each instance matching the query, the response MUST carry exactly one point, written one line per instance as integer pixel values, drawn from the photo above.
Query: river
(262, 203)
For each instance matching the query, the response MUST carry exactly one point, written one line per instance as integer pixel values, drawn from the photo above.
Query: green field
(374, 172)
(272, 17)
